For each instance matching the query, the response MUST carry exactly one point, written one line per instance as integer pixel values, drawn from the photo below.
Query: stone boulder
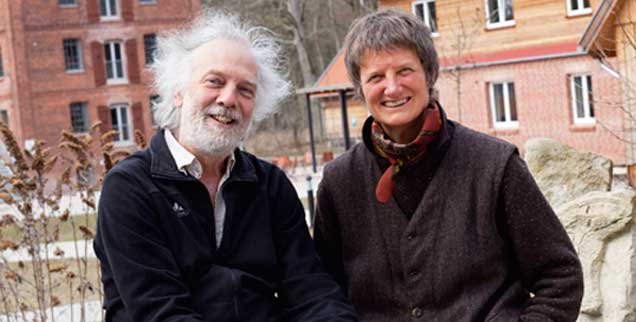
(563, 173)
(603, 231)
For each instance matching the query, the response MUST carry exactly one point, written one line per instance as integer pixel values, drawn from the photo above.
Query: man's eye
(214, 81)
(247, 92)
(405, 71)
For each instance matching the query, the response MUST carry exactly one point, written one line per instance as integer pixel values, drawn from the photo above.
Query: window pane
(107, 55)
(512, 101)
(578, 96)
(432, 23)
(150, 44)
(500, 115)
(124, 123)
(586, 3)
(574, 5)
(120, 69)
(66, 2)
(493, 7)
(4, 117)
(419, 11)
(117, 50)
(153, 100)
(72, 54)
(102, 8)
(109, 60)
(114, 119)
(590, 95)
(508, 8)
(113, 7)
(79, 117)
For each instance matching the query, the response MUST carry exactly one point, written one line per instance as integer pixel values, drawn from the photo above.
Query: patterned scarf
(400, 155)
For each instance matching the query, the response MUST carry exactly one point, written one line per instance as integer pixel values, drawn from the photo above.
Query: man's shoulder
(135, 166)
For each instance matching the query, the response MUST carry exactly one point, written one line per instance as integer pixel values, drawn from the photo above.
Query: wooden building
(516, 69)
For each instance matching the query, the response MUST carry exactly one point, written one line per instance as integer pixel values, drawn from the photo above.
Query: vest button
(410, 236)
(417, 312)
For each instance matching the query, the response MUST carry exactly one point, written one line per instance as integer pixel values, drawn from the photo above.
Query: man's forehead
(229, 58)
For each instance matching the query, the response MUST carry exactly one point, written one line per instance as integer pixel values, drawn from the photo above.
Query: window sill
(582, 127)
(67, 6)
(75, 71)
(117, 82)
(149, 3)
(500, 25)
(109, 19)
(124, 144)
(504, 129)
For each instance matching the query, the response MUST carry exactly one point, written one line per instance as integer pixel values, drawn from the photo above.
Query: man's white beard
(198, 132)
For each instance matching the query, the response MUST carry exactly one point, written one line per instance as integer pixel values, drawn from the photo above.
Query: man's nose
(228, 96)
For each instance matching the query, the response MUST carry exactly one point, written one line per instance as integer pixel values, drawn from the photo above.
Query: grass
(13, 232)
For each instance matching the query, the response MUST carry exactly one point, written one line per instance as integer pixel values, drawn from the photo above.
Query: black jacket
(156, 244)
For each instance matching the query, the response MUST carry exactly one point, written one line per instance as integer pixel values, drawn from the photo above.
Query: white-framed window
(503, 105)
(4, 117)
(582, 99)
(79, 117)
(578, 7)
(153, 100)
(114, 59)
(67, 3)
(73, 55)
(120, 119)
(499, 13)
(108, 9)
(425, 10)
(150, 45)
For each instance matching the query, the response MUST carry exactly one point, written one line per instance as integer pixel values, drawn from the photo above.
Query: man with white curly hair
(193, 229)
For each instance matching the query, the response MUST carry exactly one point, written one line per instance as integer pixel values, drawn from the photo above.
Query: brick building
(522, 73)
(65, 64)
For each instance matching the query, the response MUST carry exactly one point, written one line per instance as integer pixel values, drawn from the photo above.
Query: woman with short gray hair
(427, 219)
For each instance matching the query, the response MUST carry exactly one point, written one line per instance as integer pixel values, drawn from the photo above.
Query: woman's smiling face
(395, 91)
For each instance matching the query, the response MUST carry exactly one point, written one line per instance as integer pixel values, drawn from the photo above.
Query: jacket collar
(163, 165)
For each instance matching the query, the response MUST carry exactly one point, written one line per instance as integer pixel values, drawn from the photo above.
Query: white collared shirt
(188, 164)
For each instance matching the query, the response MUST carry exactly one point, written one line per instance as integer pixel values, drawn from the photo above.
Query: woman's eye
(373, 78)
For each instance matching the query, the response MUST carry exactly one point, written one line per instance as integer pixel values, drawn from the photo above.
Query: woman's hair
(172, 65)
(388, 29)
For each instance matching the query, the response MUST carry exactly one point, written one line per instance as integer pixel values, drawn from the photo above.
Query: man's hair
(172, 65)
(388, 29)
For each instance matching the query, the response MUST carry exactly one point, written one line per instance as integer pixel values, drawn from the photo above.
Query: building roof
(599, 33)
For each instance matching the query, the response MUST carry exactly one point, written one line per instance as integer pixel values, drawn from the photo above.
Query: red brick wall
(544, 108)
(42, 26)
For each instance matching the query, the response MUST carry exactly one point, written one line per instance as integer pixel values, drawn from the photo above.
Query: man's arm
(548, 263)
(133, 245)
(307, 292)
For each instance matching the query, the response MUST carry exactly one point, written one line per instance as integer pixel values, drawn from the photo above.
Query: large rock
(603, 231)
(563, 173)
